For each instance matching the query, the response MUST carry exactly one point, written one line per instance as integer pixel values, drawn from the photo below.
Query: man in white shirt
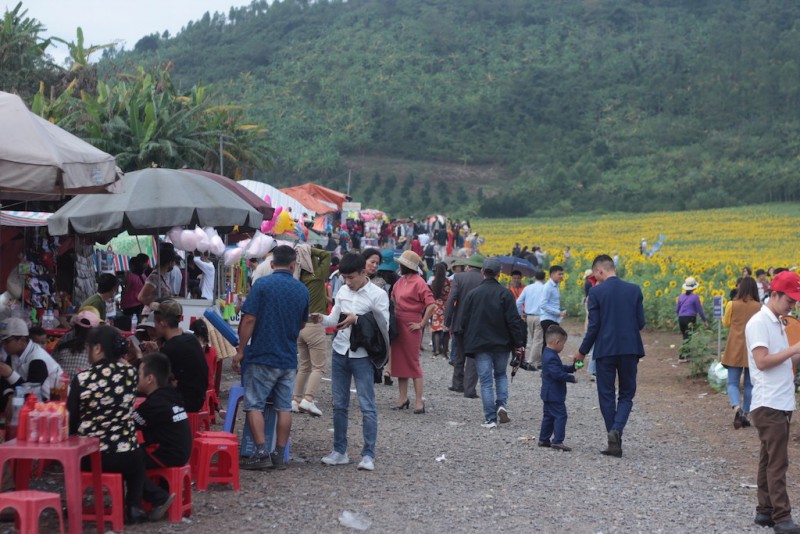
(528, 306)
(206, 266)
(770, 359)
(355, 298)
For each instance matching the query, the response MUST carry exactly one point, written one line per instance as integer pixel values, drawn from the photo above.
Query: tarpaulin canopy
(318, 196)
(24, 218)
(258, 202)
(275, 197)
(37, 158)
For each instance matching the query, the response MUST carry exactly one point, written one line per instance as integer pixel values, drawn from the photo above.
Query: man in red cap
(771, 358)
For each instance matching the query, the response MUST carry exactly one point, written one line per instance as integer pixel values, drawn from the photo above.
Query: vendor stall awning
(24, 218)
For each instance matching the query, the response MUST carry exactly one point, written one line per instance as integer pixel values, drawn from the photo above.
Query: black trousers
(130, 465)
(687, 325)
(545, 325)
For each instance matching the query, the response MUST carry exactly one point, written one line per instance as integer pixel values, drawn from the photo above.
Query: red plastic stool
(29, 505)
(179, 480)
(211, 405)
(199, 421)
(213, 435)
(113, 483)
(225, 470)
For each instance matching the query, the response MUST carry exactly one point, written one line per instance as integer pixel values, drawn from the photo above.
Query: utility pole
(221, 159)
(348, 181)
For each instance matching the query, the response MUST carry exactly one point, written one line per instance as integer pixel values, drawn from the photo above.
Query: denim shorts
(262, 382)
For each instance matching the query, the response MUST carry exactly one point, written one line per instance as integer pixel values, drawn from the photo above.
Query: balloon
(175, 236)
(233, 256)
(284, 224)
(268, 226)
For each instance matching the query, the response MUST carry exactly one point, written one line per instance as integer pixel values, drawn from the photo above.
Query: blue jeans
(360, 369)
(609, 370)
(734, 377)
(492, 365)
(262, 381)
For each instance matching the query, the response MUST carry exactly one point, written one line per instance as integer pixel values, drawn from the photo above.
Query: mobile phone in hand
(342, 317)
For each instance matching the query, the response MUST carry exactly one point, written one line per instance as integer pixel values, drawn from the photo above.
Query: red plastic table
(69, 453)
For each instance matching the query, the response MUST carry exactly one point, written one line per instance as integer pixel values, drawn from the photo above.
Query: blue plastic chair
(247, 445)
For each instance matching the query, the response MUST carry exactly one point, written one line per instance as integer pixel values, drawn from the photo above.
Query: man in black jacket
(492, 328)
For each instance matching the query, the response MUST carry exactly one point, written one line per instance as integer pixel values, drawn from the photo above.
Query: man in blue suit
(616, 318)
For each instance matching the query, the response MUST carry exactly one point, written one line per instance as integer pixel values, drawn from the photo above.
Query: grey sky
(112, 20)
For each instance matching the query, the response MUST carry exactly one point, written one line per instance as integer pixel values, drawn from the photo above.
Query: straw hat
(690, 284)
(410, 259)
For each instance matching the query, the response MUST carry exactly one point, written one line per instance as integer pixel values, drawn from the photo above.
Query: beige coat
(737, 313)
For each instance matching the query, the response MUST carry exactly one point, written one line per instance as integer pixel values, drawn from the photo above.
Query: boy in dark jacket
(163, 422)
(555, 376)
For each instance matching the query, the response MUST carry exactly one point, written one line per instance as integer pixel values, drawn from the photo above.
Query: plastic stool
(199, 421)
(29, 505)
(113, 483)
(179, 480)
(211, 405)
(237, 394)
(212, 435)
(225, 470)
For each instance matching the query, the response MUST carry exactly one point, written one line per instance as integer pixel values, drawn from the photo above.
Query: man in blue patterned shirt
(272, 316)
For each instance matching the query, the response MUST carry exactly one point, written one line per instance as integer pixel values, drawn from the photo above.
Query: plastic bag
(717, 377)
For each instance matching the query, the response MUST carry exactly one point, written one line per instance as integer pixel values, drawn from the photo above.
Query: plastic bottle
(55, 416)
(134, 322)
(23, 429)
(33, 422)
(43, 423)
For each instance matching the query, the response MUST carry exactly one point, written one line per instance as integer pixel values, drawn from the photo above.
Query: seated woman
(100, 405)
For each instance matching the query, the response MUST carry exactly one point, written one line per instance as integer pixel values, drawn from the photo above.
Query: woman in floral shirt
(100, 405)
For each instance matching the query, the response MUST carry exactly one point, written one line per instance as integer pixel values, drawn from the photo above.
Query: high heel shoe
(420, 410)
(403, 406)
(387, 380)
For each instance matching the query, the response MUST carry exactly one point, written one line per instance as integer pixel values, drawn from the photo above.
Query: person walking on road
(616, 318)
(465, 378)
(771, 360)
(492, 328)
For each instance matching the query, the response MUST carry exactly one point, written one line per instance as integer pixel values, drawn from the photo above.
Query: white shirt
(773, 387)
(207, 282)
(21, 363)
(369, 298)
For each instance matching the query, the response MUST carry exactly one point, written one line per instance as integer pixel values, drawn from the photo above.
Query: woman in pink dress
(413, 307)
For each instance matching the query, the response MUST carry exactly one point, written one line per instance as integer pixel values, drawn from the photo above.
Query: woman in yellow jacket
(737, 313)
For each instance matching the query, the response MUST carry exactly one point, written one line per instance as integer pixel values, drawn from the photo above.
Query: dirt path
(685, 469)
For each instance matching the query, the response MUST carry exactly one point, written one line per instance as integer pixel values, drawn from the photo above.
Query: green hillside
(587, 105)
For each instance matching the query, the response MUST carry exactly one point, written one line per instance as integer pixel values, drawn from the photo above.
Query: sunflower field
(711, 245)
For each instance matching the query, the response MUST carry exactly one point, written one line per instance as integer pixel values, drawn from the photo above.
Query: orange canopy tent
(318, 198)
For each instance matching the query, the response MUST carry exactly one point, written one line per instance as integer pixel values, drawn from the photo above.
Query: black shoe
(524, 365)
(457, 390)
(135, 515)
(544, 443)
(473, 396)
(764, 520)
(277, 462)
(560, 447)
(786, 527)
(614, 445)
(745, 421)
(387, 380)
(403, 406)
(737, 419)
(255, 462)
(420, 410)
(158, 512)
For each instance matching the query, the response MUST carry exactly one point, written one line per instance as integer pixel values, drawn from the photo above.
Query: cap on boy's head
(12, 327)
(787, 282)
(167, 307)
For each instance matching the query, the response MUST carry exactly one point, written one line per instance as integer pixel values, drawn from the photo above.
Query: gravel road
(684, 467)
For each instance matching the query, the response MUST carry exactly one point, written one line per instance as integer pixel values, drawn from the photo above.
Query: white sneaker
(489, 424)
(310, 407)
(502, 415)
(336, 458)
(366, 464)
(295, 406)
